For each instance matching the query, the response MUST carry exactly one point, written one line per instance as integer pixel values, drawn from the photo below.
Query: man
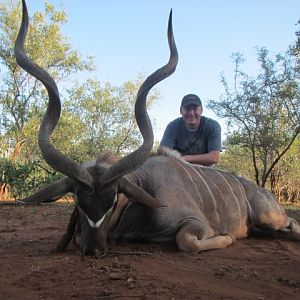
(196, 137)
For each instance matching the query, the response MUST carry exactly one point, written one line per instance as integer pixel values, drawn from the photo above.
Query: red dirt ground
(255, 268)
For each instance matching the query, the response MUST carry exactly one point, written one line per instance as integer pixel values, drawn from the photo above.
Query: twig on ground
(139, 253)
(17, 203)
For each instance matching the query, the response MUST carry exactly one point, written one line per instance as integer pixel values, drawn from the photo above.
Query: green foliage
(107, 115)
(66, 136)
(295, 49)
(23, 178)
(287, 175)
(238, 160)
(263, 111)
(284, 179)
(21, 93)
(95, 117)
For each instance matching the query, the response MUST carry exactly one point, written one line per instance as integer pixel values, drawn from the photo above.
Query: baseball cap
(191, 99)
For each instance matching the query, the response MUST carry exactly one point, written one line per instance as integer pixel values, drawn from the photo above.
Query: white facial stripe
(116, 198)
(98, 223)
(93, 224)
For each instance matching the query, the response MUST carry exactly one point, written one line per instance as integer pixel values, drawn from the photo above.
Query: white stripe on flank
(266, 199)
(207, 187)
(234, 196)
(244, 192)
(195, 186)
(211, 182)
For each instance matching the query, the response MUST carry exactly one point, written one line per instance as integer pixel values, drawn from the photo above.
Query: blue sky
(129, 37)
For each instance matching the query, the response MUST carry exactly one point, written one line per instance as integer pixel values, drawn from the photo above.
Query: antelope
(150, 197)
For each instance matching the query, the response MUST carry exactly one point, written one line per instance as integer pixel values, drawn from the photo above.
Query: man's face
(191, 115)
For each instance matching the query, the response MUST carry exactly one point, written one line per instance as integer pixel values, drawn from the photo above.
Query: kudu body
(166, 199)
(205, 208)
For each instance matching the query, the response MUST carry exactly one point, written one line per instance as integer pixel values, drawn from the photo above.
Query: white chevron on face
(99, 222)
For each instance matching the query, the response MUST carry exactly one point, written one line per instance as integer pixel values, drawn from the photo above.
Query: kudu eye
(90, 191)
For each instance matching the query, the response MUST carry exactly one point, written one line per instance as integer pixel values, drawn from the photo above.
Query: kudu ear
(137, 194)
(51, 192)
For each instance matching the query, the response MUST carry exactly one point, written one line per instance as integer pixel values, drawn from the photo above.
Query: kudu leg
(68, 235)
(192, 238)
(292, 230)
(271, 218)
(280, 227)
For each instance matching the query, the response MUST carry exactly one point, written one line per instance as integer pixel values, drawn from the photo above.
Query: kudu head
(95, 185)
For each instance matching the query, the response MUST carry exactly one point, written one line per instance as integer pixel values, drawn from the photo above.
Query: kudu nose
(89, 252)
(94, 252)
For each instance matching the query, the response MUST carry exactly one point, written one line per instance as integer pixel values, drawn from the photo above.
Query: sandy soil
(255, 268)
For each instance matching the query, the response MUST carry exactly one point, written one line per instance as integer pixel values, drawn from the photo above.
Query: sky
(130, 37)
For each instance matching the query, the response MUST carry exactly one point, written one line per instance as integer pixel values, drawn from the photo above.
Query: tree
(295, 49)
(95, 117)
(22, 97)
(20, 93)
(287, 175)
(237, 160)
(107, 114)
(263, 112)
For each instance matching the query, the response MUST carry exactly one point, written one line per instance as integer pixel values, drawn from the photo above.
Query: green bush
(24, 178)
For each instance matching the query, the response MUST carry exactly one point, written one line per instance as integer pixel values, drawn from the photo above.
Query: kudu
(166, 199)
(96, 185)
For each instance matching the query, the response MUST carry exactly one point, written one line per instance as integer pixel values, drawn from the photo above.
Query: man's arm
(205, 159)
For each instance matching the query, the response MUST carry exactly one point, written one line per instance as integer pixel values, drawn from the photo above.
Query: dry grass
(293, 212)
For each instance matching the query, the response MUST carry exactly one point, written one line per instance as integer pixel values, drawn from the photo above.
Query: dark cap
(190, 99)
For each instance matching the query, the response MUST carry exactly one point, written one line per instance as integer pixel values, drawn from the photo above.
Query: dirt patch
(255, 268)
